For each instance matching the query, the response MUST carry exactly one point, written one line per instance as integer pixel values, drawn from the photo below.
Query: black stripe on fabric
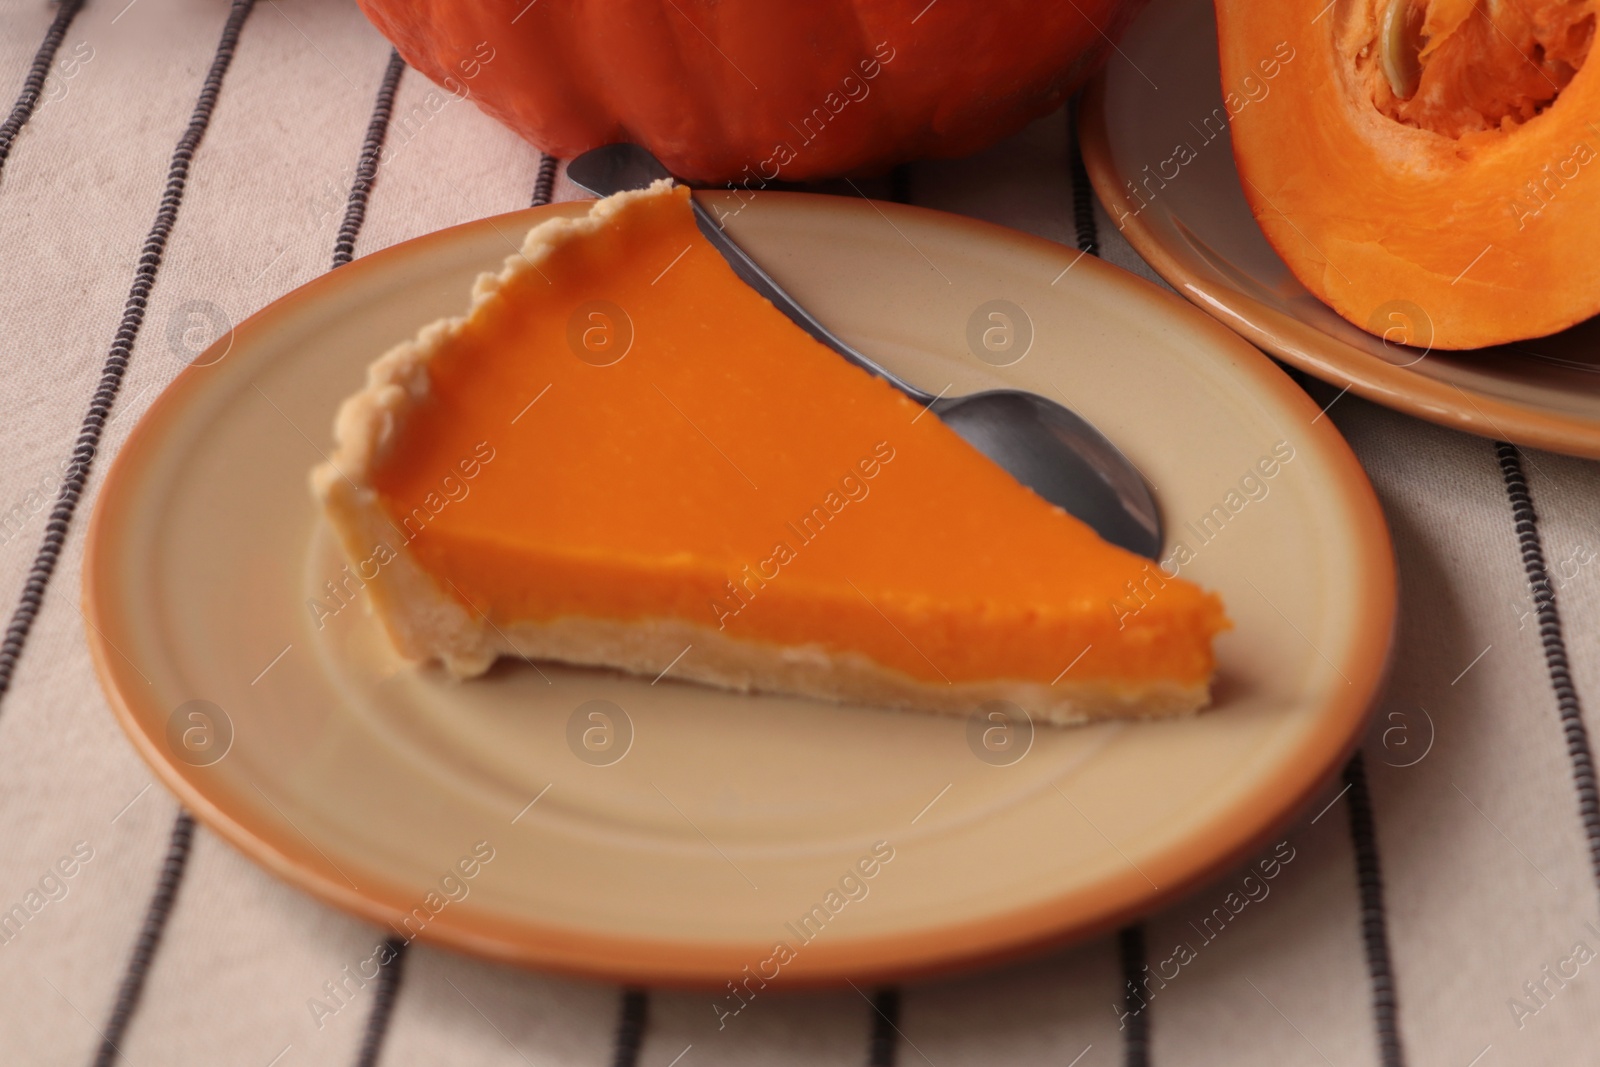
(883, 1044)
(159, 909)
(172, 871)
(33, 84)
(1082, 191)
(1374, 925)
(344, 247)
(1136, 1009)
(633, 1015)
(144, 948)
(117, 359)
(390, 971)
(1555, 647)
(544, 186)
(355, 208)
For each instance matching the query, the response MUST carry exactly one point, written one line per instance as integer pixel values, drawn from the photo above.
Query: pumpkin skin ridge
(574, 76)
(1399, 213)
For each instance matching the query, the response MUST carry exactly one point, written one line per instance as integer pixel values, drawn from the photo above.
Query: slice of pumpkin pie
(622, 456)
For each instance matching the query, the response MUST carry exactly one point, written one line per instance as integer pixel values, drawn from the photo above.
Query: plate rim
(1228, 838)
(1309, 349)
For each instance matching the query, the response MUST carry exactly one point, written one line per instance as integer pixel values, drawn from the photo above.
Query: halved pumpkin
(1428, 168)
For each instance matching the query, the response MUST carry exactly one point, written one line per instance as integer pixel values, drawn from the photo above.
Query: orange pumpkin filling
(624, 431)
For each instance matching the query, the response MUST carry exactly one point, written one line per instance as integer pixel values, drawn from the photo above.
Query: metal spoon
(1041, 444)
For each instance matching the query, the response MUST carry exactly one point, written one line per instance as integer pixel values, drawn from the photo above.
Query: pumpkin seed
(1399, 45)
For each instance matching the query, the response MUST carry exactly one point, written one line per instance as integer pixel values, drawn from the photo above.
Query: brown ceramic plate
(1155, 141)
(711, 823)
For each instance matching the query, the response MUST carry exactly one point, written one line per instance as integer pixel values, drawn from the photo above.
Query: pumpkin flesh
(1426, 166)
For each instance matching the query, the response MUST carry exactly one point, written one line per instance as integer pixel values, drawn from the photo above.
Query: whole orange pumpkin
(730, 90)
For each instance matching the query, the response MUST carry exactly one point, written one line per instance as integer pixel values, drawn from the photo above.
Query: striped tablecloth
(175, 164)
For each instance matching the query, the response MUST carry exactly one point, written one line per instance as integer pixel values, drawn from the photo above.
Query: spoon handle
(758, 279)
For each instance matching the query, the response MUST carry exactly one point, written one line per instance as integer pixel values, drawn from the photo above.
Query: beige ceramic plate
(727, 819)
(1190, 221)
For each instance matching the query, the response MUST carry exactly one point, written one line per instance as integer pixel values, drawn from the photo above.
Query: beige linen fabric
(1486, 869)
